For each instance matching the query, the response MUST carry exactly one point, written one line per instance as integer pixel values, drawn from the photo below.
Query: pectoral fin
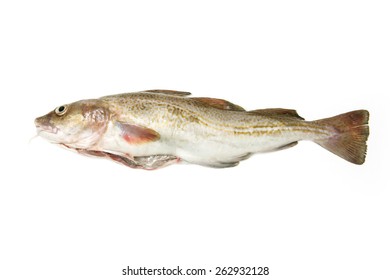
(135, 134)
(219, 103)
(277, 112)
(169, 92)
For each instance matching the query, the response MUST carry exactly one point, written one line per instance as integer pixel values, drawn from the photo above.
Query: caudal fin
(350, 135)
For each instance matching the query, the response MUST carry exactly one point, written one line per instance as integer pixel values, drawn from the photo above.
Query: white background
(303, 212)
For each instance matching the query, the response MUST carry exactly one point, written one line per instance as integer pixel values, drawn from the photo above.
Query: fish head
(76, 125)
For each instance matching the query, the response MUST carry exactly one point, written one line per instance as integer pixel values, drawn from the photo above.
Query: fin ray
(277, 112)
(169, 92)
(289, 145)
(135, 134)
(350, 135)
(222, 164)
(219, 103)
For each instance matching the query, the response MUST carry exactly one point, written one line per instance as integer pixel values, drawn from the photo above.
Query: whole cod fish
(155, 128)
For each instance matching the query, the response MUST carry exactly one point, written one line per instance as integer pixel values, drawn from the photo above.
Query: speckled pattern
(170, 126)
(160, 110)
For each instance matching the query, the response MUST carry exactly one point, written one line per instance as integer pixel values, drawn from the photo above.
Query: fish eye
(61, 110)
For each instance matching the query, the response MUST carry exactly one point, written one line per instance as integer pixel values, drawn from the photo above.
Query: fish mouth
(47, 129)
(43, 125)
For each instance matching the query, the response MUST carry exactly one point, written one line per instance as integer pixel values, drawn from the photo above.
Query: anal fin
(222, 164)
(289, 145)
(155, 161)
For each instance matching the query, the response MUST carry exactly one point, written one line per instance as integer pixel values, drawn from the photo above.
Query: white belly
(212, 151)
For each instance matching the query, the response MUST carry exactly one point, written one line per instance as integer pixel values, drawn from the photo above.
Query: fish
(152, 129)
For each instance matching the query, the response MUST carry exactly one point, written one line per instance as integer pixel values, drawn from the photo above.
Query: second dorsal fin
(277, 112)
(219, 103)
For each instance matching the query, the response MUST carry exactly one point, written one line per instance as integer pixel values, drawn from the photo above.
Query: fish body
(154, 128)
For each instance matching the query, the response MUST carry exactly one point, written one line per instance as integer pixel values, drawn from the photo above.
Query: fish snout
(43, 124)
(40, 122)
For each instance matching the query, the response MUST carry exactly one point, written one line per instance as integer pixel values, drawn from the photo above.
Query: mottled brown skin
(154, 128)
(149, 109)
(83, 120)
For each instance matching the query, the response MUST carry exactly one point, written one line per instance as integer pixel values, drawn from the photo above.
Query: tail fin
(351, 133)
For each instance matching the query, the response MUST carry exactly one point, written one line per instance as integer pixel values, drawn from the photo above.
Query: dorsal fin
(277, 112)
(219, 103)
(169, 92)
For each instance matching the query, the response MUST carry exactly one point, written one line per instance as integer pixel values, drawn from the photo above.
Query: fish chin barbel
(154, 128)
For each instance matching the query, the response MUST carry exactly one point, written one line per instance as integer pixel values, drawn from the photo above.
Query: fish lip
(46, 128)
(44, 125)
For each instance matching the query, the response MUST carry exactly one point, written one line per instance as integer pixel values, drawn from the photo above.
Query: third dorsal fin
(219, 103)
(278, 112)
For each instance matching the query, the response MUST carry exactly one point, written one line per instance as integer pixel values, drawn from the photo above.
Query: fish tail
(349, 137)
